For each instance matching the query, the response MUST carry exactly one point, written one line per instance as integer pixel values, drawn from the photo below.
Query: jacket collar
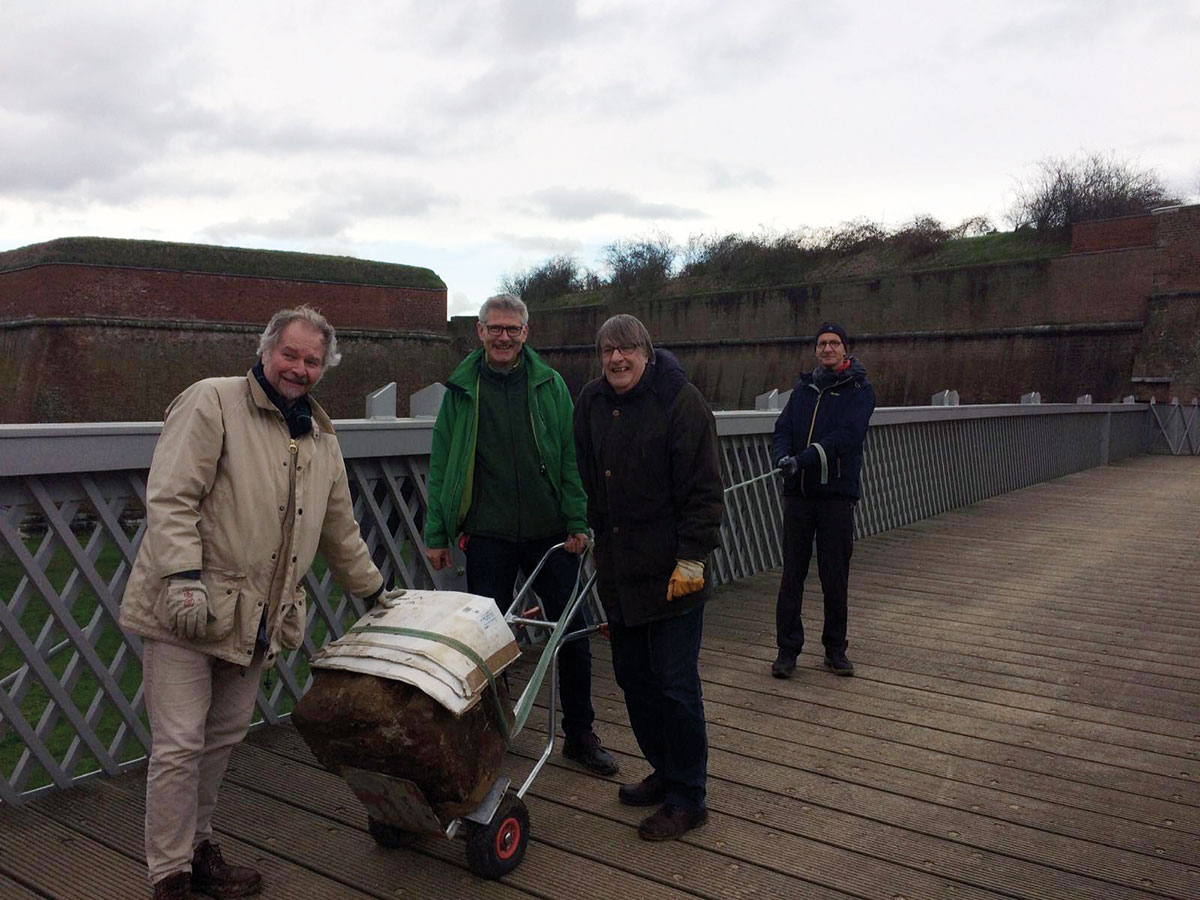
(321, 421)
(856, 373)
(466, 373)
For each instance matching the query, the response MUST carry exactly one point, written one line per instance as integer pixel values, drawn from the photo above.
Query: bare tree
(1085, 186)
(556, 277)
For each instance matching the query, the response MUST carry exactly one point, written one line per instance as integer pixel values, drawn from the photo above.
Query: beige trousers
(199, 708)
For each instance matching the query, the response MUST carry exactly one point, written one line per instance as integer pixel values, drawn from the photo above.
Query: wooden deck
(1025, 722)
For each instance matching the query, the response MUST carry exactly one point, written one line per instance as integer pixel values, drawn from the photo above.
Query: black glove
(789, 466)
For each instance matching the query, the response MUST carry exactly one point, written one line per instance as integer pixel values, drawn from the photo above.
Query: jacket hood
(669, 376)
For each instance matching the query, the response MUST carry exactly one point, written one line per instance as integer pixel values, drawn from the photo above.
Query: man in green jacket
(503, 482)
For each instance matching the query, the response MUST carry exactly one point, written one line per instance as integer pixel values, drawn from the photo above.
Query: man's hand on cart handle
(439, 557)
(576, 543)
(687, 578)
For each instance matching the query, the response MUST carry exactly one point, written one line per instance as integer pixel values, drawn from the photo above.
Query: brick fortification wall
(1171, 343)
(105, 343)
(1075, 324)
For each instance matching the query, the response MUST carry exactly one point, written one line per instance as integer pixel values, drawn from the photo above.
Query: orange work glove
(687, 578)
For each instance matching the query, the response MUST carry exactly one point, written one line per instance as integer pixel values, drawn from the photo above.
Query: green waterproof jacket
(452, 458)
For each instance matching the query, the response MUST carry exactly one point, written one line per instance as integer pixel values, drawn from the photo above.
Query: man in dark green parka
(504, 484)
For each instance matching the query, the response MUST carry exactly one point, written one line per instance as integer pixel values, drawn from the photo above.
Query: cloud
(92, 95)
(724, 178)
(541, 243)
(579, 204)
(340, 205)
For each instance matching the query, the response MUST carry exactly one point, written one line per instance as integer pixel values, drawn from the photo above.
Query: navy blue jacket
(825, 431)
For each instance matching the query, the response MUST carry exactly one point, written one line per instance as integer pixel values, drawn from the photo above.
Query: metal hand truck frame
(496, 831)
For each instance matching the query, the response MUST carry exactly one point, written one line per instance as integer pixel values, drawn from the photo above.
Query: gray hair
(504, 303)
(624, 330)
(309, 316)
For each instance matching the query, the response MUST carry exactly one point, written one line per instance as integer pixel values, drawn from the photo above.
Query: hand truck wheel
(389, 837)
(497, 848)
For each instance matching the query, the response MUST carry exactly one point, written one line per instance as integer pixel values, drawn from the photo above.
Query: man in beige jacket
(246, 485)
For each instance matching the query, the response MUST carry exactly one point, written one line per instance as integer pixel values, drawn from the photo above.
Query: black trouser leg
(799, 526)
(658, 669)
(835, 546)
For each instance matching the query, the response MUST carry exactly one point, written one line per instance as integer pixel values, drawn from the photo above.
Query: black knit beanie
(835, 328)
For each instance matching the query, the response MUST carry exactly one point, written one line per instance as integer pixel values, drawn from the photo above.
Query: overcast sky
(480, 138)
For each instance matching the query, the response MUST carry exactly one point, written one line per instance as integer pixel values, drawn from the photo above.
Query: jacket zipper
(533, 423)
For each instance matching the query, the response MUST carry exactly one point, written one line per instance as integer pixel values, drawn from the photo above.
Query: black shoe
(213, 876)
(784, 665)
(650, 791)
(588, 753)
(174, 887)
(837, 663)
(671, 822)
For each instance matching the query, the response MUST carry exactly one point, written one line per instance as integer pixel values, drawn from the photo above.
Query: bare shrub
(642, 266)
(1085, 186)
(556, 277)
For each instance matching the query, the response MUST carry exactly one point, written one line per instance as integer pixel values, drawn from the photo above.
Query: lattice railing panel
(72, 702)
(70, 680)
(1178, 431)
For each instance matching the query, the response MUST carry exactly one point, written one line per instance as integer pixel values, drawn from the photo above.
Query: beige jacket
(232, 495)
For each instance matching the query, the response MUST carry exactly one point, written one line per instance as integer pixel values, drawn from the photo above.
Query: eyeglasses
(513, 331)
(832, 345)
(625, 349)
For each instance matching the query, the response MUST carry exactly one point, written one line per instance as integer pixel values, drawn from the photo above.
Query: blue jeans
(658, 667)
(492, 566)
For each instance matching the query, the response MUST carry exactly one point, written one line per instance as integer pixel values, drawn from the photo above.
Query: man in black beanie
(818, 445)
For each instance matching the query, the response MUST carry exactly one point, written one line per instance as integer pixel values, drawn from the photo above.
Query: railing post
(381, 404)
(427, 401)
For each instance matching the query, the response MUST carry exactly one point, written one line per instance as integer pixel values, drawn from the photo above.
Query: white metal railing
(1178, 428)
(72, 515)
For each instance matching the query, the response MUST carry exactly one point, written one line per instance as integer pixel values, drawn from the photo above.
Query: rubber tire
(495, 849)
(389, 837)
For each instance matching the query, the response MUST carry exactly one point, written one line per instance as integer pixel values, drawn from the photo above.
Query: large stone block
(385, 726)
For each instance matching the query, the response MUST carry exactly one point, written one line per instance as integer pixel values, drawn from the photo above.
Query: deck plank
(1024, 723)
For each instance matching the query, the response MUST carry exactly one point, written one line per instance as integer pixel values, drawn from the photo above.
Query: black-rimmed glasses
(625, 349)
(513, 331)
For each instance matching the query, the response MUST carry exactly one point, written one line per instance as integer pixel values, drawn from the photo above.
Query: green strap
(462, 648)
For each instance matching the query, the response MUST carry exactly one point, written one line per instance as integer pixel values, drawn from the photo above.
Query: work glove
(389, 599)
(789, 466)
(687, 578)
(187, 608)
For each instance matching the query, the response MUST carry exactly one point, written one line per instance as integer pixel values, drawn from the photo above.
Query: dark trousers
(658, 668)
(492, 566)
(831, 521)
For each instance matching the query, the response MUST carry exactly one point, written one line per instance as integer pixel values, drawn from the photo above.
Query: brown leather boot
(211, 875)
(174, 887)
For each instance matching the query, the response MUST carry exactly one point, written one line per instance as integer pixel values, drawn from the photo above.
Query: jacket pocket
(293, 614)
(224, 592)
